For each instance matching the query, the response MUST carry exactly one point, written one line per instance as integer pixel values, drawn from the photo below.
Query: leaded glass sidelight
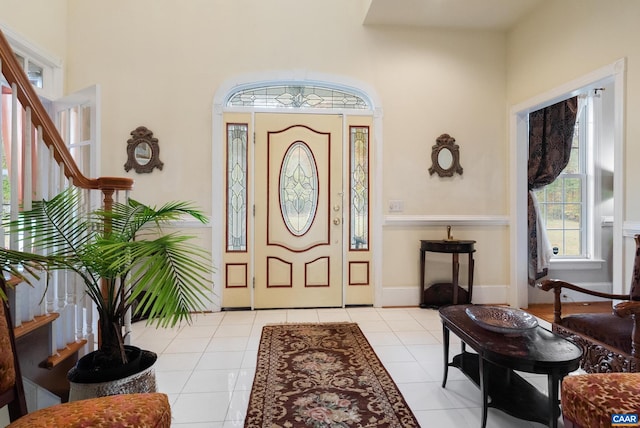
(237, 135)
(298, 188)
(359, 187)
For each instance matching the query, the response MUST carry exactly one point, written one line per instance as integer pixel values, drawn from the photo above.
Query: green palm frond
(128, 220)
(131, 260)
(57, 226)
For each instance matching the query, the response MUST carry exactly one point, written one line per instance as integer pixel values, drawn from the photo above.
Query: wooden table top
(536, 351)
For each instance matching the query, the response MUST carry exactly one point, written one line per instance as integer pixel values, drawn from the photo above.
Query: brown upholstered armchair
(610, 342)
(131, 410)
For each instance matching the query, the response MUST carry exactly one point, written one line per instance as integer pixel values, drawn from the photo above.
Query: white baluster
(27, 199)
(90, 324)
(14, 178)
(50, 297)
(27, 179)
(53, 169)
(41, 156)
(80, 313)
(70, 288)
(42, 153)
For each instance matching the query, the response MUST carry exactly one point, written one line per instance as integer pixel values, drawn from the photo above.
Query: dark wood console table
(455, 247)
(498, 355)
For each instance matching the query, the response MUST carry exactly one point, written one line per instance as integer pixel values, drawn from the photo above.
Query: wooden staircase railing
(14, 74)
(64, 308)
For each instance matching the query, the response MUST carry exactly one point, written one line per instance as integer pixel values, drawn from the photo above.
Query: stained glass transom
(297, 96)
(237, 135)
(298, 188)
(359, 177)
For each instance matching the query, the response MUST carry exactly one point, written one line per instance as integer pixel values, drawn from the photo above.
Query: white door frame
(298, 77)
(519, 137)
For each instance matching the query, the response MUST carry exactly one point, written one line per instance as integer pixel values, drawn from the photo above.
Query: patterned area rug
(322, 375)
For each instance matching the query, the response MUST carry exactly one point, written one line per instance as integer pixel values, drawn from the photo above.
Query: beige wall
(159, 64)
(42, 22)
(563, 40)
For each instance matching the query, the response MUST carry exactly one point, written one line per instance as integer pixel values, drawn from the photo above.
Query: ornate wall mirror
(445, 157)
(143, 151)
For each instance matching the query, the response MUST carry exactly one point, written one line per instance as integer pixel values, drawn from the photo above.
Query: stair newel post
(107, 201)
(108, 186)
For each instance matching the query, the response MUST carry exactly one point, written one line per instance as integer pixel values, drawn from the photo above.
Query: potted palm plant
(125, 261)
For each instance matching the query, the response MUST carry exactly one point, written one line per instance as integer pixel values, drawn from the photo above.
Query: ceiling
(457, 14)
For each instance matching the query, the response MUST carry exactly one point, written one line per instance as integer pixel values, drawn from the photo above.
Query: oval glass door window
(298, 188)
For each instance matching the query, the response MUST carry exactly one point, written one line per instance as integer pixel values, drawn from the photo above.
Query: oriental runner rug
(322, 375)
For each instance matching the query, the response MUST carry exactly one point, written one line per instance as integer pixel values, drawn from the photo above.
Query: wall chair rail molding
(444, 220)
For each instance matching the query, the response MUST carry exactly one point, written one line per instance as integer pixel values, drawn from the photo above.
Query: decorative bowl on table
(502, 319)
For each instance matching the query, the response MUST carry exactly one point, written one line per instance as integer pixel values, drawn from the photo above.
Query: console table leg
(455, 274)
(484, 391)
(554, 414)
(423, 304)
(471, 263)
(445, 346)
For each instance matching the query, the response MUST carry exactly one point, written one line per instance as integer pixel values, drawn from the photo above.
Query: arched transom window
(297, 96)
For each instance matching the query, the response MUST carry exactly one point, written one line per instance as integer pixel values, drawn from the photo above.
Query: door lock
(336, 221)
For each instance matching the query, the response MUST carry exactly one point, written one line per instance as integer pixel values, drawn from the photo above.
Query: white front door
(298, 200)
(298, 210)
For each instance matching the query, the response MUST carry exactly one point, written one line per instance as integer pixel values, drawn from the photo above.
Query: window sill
(576, 264)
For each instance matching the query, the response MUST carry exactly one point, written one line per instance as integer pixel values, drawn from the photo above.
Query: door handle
(336, 221)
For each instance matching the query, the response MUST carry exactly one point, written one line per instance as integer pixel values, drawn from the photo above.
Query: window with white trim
(568, 205)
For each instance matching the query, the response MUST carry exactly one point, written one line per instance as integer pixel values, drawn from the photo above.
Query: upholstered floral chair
(590, 400)
(130, 410)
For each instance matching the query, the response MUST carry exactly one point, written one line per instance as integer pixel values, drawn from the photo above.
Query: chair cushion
(607, 328)
(150, 410)
(589, 400)
(7, 369)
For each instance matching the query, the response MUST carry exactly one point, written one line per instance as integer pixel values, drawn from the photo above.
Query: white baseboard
(410, 296)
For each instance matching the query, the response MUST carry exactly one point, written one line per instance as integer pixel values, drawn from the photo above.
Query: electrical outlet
(396, 206)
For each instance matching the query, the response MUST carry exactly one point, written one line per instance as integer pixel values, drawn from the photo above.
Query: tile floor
(207, 367)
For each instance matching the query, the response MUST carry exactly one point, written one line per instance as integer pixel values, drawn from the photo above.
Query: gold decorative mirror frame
(143, 151)
(445, 157)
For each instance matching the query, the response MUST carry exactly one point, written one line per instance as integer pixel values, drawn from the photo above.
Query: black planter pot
(87, 381)
(94, 368)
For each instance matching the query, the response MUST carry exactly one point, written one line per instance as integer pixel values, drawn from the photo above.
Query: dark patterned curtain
(550, 136)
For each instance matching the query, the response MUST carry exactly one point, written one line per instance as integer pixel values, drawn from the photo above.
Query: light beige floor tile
(220, 360)
(201, 407)
(209, 372)
(177, 361)
(211, 381)
(179, 345)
